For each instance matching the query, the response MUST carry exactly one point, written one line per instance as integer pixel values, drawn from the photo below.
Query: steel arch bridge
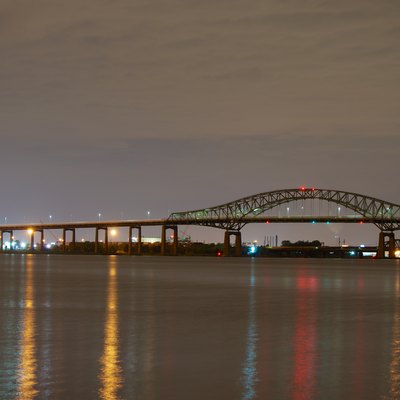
(234, 215)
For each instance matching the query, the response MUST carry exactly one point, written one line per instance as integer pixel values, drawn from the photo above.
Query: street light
(99, 216)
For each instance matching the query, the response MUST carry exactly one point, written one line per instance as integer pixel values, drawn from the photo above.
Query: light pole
(99, 216)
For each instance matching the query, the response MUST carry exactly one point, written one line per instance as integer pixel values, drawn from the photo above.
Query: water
(96, 327)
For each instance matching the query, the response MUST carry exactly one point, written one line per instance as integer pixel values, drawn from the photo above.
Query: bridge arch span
(235, 214)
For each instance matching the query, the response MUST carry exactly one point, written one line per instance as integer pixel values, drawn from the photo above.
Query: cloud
(202, 101)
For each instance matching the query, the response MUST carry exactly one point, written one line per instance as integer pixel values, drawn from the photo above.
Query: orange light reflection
(28, 362)
(110, 375)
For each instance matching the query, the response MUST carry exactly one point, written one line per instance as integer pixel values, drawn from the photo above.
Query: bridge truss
(236, 214)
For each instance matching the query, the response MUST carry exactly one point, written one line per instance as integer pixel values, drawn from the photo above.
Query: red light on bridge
(303, 188)
(267, 222)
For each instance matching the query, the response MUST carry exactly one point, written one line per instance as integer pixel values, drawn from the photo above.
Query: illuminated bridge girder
(234, 215)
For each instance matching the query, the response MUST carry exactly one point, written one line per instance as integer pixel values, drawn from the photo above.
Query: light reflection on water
(27, 373)
(249, 379)
(394, 377)
(110, 376)
(182, 328)
(304, 357)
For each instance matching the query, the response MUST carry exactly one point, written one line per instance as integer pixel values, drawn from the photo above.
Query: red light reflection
(304, 345)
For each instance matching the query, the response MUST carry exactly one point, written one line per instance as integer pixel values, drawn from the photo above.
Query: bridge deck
(198, 221)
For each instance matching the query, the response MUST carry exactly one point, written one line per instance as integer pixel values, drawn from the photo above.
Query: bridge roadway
(233, 216)
(165, 224)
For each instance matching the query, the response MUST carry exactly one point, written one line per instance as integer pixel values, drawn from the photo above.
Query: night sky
(121, 107)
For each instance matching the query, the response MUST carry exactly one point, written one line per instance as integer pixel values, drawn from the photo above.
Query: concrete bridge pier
(11, 234)
(96, 241)
(64, 245)
(2, 239)
(382, 245)
(32, 248)
(164, 229)
(238, 243)
(139, 240)
(42, 246)
(73, 239)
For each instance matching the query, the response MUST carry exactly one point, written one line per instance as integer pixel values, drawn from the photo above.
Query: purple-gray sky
(121, 107)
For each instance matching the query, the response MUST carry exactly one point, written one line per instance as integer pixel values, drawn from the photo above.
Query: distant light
(328, 222)
(362, 245)
(397, 253)
(252, 249)
(352, 253)
(314, 222)
(30, 231)
(303, 188)
(22, 245)
(113, 232)
(267, 222)
(219, 253)
(361, 222)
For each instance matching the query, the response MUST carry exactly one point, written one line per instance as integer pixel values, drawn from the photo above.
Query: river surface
(172, 328)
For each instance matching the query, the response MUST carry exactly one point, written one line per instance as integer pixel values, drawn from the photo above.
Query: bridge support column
(32, 242)
(130, 241)
(1, 241)
(71, 246)
(96, 241)
(11, 239)
(382, 245)
(238, 243)
(392, 246)
(11, 235)
(106, 240)
(42, 240)
(175, 242)
(174, 250)
(139, 241)
(64, 239)
(73, 239)
(163, 239)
